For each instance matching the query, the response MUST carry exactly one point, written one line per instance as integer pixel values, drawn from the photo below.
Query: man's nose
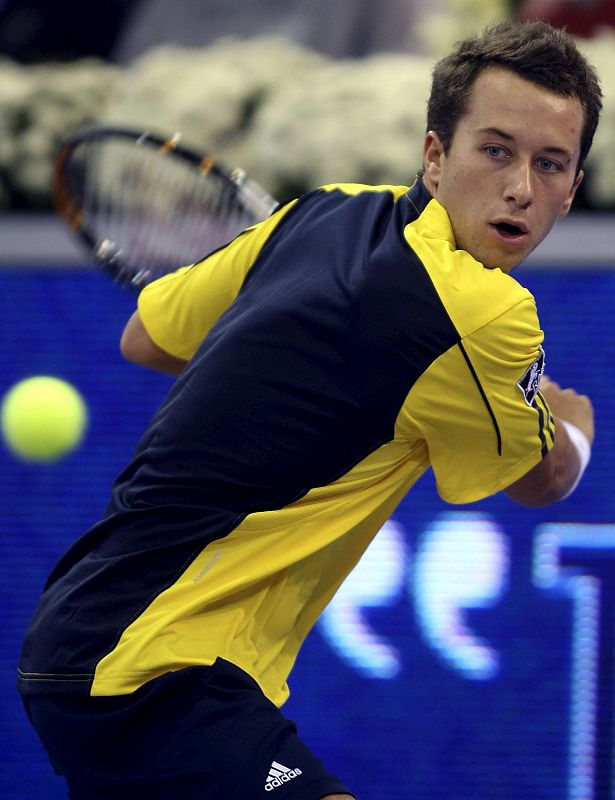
(520, 186)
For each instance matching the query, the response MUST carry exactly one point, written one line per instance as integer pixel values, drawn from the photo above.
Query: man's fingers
(546, 381)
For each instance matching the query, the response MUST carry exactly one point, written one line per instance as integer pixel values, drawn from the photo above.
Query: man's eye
(548, 165)
(495, 151)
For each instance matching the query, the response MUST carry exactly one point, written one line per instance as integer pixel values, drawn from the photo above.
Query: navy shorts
(208, 733)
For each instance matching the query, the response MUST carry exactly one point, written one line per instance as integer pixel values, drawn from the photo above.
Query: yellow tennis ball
(43, 418)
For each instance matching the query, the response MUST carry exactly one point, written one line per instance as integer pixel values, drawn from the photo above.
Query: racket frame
(66, 194)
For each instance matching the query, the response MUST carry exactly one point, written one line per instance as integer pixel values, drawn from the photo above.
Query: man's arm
(557, 474)
(137, 346)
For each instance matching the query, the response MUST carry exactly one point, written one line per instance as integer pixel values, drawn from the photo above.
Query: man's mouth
(509, 231)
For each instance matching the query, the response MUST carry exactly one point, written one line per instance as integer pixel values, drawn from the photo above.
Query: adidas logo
(279, 774)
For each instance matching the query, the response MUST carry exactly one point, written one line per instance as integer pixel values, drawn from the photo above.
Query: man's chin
(503, 258)
(504, 267)
(506, 262)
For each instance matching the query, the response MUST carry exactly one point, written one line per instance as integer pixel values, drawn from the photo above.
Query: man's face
(509, 173)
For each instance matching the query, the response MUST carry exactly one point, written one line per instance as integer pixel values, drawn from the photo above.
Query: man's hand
(567, 404)
(558, 473)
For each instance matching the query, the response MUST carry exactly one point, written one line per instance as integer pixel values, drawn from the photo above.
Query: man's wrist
(581, 444)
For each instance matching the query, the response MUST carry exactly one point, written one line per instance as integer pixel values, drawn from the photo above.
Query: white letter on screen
(462, 563)
(377, 580)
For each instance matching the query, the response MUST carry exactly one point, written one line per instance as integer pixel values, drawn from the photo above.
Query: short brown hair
(534, 50)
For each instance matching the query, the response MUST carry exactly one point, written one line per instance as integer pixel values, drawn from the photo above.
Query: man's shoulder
(349, 195)
(334, 208)
(473, 295)
(352, 189)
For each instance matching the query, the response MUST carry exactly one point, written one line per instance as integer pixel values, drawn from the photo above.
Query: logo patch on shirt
(530, 381)
(279, 774)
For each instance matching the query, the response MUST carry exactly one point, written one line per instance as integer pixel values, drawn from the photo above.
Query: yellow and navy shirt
(336, 351)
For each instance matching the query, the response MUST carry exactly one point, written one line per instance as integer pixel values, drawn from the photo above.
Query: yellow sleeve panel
(481, 432)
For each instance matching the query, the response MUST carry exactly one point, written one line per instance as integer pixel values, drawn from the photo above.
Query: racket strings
(153, 212)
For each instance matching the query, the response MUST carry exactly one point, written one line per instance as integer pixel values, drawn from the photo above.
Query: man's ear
(433, 152)
(568, 202)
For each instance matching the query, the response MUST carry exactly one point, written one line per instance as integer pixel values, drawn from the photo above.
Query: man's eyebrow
(562, 152)
(497, 132)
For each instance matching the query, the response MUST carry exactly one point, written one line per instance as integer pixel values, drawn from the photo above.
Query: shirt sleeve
(179, 309)
(479, 410)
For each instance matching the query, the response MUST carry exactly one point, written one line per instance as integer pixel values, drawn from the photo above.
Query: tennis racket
(145, 205)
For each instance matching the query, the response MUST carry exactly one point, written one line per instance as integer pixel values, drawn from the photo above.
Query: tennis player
(326, 359)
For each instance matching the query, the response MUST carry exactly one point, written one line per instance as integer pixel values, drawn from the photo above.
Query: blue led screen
(470, 654)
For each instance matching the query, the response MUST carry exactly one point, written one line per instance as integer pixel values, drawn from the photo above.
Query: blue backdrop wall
(469, 655)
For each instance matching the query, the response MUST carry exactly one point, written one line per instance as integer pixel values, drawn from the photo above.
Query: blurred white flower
(39, 107)
(600, 165)
(452, 20)
(292, 118)
(355, 121)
